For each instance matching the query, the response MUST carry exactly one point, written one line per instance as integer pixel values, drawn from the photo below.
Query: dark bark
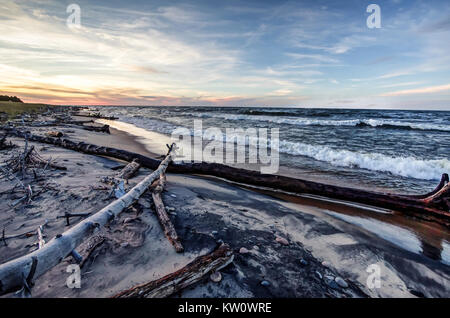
(98, 116)
(104, 128)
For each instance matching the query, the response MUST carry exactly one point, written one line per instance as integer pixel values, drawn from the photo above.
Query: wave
(295, 113)
(403, 166)
(302, 121)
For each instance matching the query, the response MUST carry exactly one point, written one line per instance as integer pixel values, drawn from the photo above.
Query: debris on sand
(282, 241)
(215, 277)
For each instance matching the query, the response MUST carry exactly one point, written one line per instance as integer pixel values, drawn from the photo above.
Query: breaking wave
(302, 121)
(402, 166)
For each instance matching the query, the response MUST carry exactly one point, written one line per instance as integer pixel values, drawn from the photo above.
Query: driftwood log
(66, 123)
(104, 128)
(38, 262)
(96, 115)
(87, 248)
(129, 171)
(186, 276)
(164, 220)
(431, 208)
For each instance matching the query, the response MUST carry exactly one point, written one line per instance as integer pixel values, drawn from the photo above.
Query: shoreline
(145, 137)
(241, 217)
(433, 235)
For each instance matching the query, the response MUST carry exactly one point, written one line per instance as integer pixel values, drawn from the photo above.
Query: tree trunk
(416, 206)
(12, 272)
(186, 276)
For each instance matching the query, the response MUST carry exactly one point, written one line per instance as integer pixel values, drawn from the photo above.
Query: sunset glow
(280, 53)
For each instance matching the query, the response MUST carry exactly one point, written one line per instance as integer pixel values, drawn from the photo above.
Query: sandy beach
(321, 240)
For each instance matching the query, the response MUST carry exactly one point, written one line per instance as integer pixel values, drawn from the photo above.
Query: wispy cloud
(423, 90)
(258, 53)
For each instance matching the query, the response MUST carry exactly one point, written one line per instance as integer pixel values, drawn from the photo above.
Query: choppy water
(387, 149)
(397, 151)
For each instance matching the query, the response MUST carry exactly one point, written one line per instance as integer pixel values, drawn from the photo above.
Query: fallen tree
(434, 206)
(22, 271)
(68, 123)
(104, 128)
(95, 115)
(182, 278)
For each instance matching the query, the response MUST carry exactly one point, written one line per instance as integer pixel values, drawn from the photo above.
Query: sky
(227, 53)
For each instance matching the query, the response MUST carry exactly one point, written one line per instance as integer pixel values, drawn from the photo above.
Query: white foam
(302, 121)
(402, 166)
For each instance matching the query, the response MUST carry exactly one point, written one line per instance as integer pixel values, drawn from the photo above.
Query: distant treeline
(5, 98)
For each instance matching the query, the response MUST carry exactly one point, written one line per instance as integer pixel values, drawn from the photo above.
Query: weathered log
(12, 272)
(104, 128)
(440, 198)
(442, 183)
(72, 123)
(182, 278)
(164, 220)
(407, 204)
(129, 171)
(88, 247)
(97, 115)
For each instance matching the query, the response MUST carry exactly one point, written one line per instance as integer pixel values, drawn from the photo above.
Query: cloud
(316, 57)
(442, 25)
(143, 69)
(424, 90)
(141, 53)
(401, 84)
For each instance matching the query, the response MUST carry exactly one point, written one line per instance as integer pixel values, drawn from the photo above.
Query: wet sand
(324, 240)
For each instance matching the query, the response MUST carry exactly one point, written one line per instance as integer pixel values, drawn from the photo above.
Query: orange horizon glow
(273, 54)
